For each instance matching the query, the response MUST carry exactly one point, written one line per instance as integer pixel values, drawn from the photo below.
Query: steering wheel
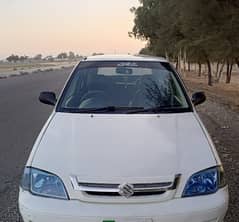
(94, 99)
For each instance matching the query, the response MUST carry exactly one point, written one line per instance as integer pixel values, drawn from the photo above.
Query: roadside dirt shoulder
(220, 114)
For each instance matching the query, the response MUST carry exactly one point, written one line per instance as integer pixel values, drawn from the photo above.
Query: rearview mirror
(124, 70)
(48, 98)
(198, 98)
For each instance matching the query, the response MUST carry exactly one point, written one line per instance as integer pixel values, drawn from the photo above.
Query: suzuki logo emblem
(126, 190)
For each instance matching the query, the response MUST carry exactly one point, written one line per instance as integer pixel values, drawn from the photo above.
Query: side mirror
(48, 98)
(198, 98)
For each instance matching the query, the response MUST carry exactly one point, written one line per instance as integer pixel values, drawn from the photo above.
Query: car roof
(143, 58)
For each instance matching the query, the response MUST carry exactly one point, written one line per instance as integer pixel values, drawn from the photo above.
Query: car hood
(123, 148)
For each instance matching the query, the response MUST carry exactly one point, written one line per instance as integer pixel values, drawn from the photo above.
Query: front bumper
(210, 208)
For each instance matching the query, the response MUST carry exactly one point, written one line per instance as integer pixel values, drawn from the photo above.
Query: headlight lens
(205, 182)
(42, 183)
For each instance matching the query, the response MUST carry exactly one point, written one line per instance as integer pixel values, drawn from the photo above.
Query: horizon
(39, 27)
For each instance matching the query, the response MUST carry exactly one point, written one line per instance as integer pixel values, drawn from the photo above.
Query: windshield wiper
(107, 109)
(158, 109)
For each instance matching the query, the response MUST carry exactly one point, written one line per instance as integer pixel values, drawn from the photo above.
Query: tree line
(39, 57)
(204, 32)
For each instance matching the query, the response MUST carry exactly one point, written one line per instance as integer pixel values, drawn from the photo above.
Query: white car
(123, 144)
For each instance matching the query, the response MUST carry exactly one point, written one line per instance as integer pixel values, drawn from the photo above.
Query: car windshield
(120, 86)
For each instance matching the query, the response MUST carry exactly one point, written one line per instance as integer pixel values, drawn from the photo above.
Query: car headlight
(44, 184)
(205, 182)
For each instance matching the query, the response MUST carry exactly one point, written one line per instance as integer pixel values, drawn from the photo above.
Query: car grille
(113, 190)
(114, 194)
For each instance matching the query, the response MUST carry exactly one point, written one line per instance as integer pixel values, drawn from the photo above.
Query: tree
(23, 58)
(13, 58)
(71, 55)
(62, 55)
(38, 57)
(199, 31)
(146, 51)
(80, 57)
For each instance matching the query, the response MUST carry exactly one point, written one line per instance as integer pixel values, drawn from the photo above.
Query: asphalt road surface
(22, 117)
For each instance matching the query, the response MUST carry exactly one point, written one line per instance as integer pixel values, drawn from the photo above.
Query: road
(22, 117)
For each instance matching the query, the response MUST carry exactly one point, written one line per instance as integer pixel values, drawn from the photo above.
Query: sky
(53, 26)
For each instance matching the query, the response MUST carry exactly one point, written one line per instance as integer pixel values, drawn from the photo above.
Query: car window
(123, 84)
